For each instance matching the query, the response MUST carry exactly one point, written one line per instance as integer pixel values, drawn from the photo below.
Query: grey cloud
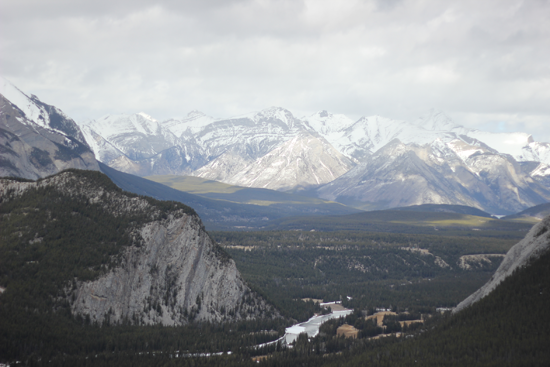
(392, 58)
(386, 5)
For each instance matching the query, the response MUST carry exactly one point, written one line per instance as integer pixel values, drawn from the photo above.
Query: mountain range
(78, 252)
(372, 163)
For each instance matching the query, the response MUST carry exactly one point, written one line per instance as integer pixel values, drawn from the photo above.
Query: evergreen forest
(49, 239)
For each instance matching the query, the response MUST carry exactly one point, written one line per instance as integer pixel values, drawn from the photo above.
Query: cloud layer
(485, 63)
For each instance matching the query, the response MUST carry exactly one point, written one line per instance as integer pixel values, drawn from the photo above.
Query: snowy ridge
(112, 125)
(274, 114)
(542, 170)
(33, 112)
(192, 124)
(369, 134)
(38, 139)
(24, 103)
(508, 143)
(366, 136)
(104, 151)
(326, 123)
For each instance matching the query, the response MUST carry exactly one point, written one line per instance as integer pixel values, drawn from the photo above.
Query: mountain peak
(195, 113)
(275, 113)
(436, 120)
(30, 126)
(111, 125)
(146, 116)
(325, 122)
(24, 103)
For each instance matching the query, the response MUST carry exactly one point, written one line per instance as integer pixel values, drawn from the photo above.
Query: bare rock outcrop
(535, 243)
(177, 275)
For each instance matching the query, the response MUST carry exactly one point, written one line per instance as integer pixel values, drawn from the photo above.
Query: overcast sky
(486, 63)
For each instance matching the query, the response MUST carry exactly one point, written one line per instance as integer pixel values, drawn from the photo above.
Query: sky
(485, 63)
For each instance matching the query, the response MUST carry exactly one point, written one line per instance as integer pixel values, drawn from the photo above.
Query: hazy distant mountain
(356, 162)
(445, 208)
(438, 173)
(36, 139)
(270, 149)
(230, 211)
(538, 211)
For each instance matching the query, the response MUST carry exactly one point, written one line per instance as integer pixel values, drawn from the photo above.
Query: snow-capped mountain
(372, 162)
(361, 139)
(367, 135)
(455, 172)
(36, 139)
(137, 136)
(269, 149)
(141, 145)
(302, 161)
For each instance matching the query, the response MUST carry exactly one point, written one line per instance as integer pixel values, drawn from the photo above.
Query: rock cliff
(535, 243)
(171, 272)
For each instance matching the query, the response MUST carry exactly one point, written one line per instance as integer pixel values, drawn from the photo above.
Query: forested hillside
(84, 269)
(507, 328)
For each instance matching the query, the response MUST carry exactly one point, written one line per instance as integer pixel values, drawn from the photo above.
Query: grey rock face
(535, 243)
(174, 277)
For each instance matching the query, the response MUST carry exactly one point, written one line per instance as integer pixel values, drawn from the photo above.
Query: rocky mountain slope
(36, 139)
(354, 162)
(302, 161)
(161, 265)
(456, 172)
(535, 243)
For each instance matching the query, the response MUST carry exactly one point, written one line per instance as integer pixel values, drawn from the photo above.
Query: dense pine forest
(507, 328)
(49, 239)
(364, 270)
